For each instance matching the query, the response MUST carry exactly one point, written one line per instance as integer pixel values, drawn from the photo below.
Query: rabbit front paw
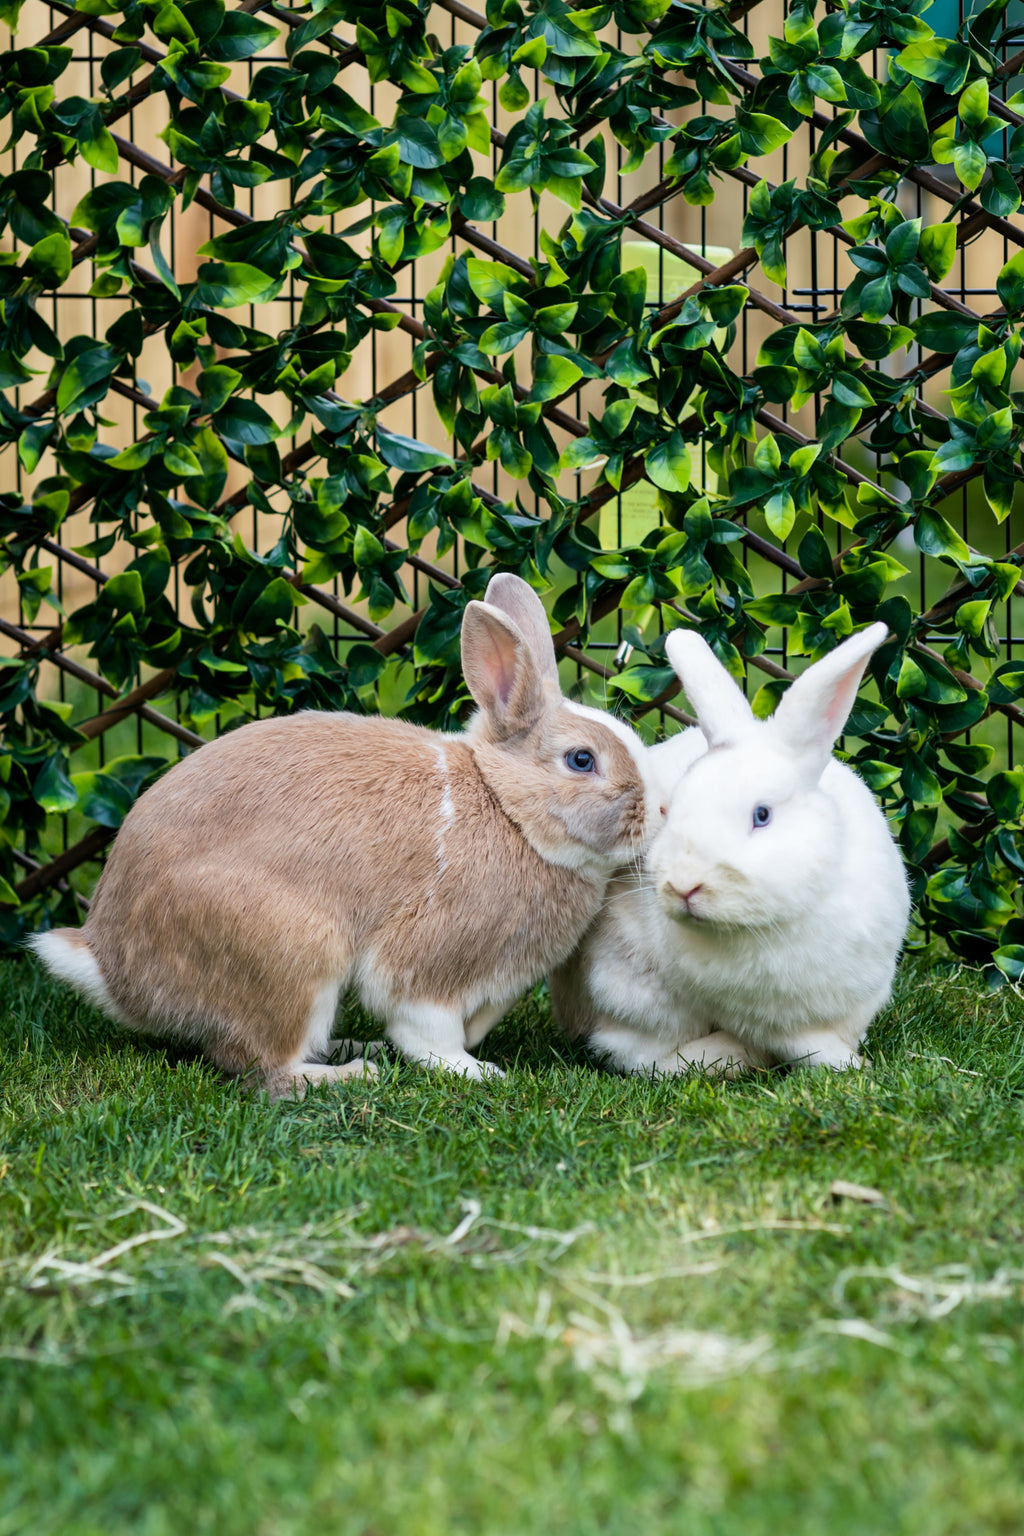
(820, 1048)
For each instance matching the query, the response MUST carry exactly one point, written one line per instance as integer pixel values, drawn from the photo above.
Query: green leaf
(555, 318)
(273, 607)
(49, 260)
(102, 798)
(513, 93)
(1010, 960)
(180, 460)
(876, 299)
(1005, 794)
(1010, 284)
(973, 105)
(970, 163)
(849, 390)
(814, 554)
(920, 782)
(502, 337)
(944, 331)
(207, 489)
(553, 376)
(767, 457)
(906, 127)
(99, 149)
(406, 453)
(81, 375)
(934, 536)
(937, 250)
(482, 201)
(241, 422)
(239, 37)
(417, 141)
(1000, 195)
(52, 789)
(912, 682)
(514, 457)
(902, 242)
(216, 384)
(532, 53)
(491, 280)
(226, 284)
(761, 134)
(780, 514)
(668, 465)
(118, 66)
(124, 591)
(644, 683)
(778, 608)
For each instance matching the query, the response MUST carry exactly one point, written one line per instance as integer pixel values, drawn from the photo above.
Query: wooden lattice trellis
(651, 90)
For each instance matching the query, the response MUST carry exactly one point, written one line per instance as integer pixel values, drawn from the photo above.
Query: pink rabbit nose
(685, 896)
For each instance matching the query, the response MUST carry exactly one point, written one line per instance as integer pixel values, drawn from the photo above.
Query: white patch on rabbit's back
(446, 820)
(447, 803)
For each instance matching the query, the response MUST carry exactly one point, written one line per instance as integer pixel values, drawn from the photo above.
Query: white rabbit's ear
(814, 709)
(499, 668)
(517, 599)
(723, 713)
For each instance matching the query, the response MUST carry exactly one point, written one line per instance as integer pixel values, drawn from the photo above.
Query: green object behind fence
(855, 460)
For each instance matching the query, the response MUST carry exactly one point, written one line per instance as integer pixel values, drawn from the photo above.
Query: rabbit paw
(819, 1048)
(292, 1082)
(465, 1065)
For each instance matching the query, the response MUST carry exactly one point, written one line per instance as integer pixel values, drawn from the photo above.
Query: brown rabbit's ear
(519, 602)
(499, 668)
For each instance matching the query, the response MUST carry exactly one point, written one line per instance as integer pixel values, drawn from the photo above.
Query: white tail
(73, 961)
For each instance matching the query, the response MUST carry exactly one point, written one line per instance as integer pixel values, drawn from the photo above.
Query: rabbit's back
(290, 773)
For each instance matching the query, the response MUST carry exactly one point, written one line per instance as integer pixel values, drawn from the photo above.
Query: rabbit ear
(519, 602)
(723, 713)
(813, 711)
(499, 669)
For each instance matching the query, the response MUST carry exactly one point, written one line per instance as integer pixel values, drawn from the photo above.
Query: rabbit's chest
(753, 985)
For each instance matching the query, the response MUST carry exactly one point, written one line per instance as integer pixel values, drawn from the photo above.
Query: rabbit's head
(571, 778)
(752, 837)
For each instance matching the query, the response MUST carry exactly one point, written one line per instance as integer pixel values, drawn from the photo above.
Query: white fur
(740, 945)
(446, 821)
(436, 1036)
(447, 803)
(74, 963)
(320, 1024)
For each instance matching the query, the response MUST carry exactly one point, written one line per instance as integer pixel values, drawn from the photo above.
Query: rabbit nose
(684, 896)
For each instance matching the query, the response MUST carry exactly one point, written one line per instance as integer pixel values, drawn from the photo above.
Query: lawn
(561, 1302)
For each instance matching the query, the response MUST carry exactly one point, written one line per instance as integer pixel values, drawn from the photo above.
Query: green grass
(658, 1321)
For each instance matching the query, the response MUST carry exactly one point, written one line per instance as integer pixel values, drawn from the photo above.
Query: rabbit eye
(580, 760)
(762, 815)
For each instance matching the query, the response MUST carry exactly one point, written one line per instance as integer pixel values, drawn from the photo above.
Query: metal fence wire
(677, 244)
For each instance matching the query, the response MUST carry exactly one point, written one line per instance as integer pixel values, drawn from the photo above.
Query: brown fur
(299, 856)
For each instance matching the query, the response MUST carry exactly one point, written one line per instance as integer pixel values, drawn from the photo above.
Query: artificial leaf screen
(315, 315)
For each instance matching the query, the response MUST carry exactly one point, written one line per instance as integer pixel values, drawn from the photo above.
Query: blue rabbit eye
(762, 815)
(580, 760)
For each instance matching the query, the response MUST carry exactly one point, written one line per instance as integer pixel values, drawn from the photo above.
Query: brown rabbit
(439, 875)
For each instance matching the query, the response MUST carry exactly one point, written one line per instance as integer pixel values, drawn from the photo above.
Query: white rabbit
(439, 875)
(767, 924)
